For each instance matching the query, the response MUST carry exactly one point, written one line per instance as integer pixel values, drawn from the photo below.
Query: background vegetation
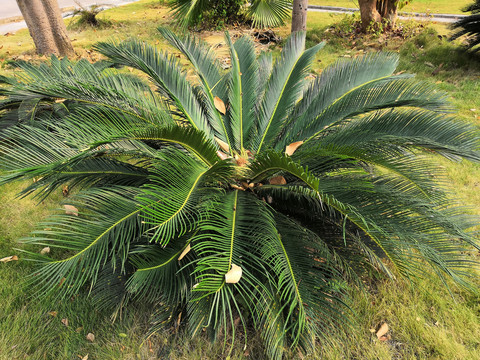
(425, 321)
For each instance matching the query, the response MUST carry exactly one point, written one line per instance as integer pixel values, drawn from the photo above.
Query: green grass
(425, 321)
(421, 6)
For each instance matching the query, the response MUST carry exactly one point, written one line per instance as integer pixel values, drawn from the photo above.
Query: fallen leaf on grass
(45, 250)
(9, 258)
(90, 337)
(65, 322)
(383, 330)
(77, 330)
(70, 210)
(234, 275)
(53, 313)
(385, 338)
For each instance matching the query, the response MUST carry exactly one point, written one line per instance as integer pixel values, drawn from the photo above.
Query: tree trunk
(368, 13)
(46, 26)
(299, 15)
(388, 10)
(374, 11)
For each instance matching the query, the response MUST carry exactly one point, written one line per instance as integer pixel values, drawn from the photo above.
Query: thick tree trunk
(299, 15)
(373, 11)
(368, 13)
(46, 26)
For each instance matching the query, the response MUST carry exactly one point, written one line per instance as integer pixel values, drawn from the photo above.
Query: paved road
(9, 8)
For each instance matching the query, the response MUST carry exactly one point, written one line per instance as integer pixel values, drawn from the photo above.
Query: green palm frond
(165, 72)
(213, 216)
(207, 67)
(284, 87)
(269, 13)
(102, 230)
(178, 194)
(305, 282)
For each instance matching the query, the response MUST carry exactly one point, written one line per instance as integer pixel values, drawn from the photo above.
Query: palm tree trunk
(46, 26)
(373, 11)
(299, 15)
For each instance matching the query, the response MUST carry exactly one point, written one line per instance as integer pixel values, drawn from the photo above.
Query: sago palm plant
(239, 200)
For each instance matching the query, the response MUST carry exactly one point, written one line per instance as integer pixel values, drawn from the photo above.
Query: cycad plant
(236, 201)
(469, 26)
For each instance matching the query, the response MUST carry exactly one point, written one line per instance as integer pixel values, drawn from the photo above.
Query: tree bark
(299, 15)
(46, 26)
(374, 11)
(368, 13)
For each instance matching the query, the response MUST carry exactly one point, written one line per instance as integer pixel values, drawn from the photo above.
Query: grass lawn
(425, 321)
(421, 6)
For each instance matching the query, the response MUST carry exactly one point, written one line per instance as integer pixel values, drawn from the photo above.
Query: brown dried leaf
(70, 210)
(53, 313)
(65, 322)
(184, 252)
(241, 161)
(45, 250)
(233, 276)
(219, 105)
(9, 258)
(223, 145)
(278, 180)
(383, 330)
(90, 337)
(290, 149)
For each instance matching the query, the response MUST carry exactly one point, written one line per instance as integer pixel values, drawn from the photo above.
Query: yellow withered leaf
(223, 145)
(45, 250)
(382, 331)
(70, 210)
(184, 252)
(234, 275)
(220, 105)
(9, 258)
(222, 155)
(290, 149)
